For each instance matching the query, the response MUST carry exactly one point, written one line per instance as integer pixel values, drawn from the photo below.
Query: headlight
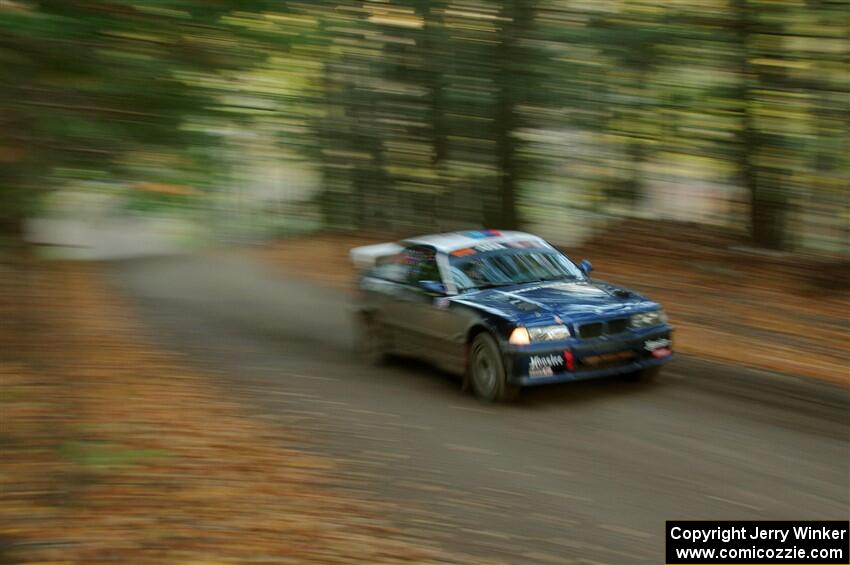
(519, 337)
(524, 336)
(648, 319)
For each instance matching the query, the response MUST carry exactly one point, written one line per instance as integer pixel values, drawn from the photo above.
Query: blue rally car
(504, 309)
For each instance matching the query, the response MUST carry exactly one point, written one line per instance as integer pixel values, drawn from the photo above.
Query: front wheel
(487, 371)
(644, 375)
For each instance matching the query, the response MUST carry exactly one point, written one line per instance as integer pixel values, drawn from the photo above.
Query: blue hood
(572, 301)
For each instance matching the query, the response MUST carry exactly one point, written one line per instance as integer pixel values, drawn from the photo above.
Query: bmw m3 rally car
(505, 310)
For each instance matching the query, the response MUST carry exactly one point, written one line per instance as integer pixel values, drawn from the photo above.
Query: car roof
(452, 241)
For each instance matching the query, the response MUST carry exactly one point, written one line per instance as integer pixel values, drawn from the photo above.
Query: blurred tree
(436, 58)
(437, 114)
(512, 67)
(787, 152)
(767, 195)
(761, 213)
(85, 83)
(635, 43)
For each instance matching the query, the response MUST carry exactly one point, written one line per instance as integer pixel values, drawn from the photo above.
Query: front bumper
(547, 363)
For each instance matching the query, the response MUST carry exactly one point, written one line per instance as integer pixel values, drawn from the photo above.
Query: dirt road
(578, 473)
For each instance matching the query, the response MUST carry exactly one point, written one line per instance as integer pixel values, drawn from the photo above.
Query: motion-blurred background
(185, 120)
(695, 150)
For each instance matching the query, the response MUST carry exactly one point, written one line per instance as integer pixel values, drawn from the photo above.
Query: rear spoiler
(368, 256)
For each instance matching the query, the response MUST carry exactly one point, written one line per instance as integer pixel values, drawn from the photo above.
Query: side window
(421, 263)
(393, 270)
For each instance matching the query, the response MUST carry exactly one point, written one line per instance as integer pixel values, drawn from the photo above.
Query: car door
(406, 304)
(432, 325)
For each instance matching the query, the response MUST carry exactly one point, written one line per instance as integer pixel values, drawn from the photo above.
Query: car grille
(597, 329)
(606, 360)
(618, 326)
(591, 330)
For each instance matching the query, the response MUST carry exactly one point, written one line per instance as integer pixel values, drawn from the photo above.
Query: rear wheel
(371, 341)
(487, 371)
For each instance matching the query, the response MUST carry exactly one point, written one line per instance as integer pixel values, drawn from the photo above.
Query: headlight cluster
(648, 319)
(524, 336)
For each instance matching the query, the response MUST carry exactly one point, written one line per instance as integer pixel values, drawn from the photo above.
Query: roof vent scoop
(622, 293)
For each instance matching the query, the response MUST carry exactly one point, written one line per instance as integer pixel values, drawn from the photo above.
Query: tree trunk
(518, 16)
(767, 203)
(435, 62)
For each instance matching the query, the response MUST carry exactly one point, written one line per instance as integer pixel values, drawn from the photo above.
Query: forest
(418, 115)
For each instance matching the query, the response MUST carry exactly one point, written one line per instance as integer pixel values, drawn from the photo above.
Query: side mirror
(435, 288)
(585, 266)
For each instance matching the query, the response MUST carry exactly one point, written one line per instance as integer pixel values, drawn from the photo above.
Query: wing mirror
(585, 266)
(435, 288)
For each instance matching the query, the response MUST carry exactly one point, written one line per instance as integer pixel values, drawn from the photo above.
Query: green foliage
(100, 456)
(429, 114)
(86, 83)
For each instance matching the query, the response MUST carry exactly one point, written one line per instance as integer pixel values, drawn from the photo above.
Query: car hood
(569, 300)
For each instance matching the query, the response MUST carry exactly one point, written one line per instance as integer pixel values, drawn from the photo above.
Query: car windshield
(495, 269)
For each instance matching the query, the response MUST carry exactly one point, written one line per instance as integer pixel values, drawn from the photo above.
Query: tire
(371, 342)
(487, 371)
(644, 375)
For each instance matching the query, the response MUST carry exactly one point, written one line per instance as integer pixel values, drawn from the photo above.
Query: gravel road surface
(575, 473)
